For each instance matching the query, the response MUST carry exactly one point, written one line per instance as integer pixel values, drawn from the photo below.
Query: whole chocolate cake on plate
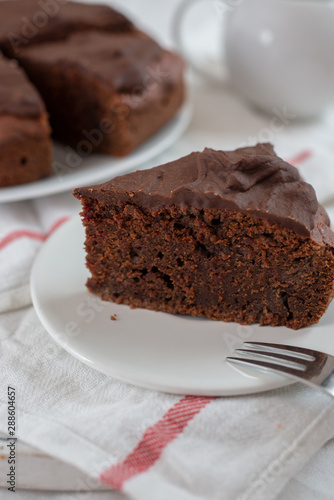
(106, 85)
(233, 236)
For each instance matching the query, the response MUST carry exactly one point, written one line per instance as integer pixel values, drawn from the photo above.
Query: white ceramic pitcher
(279, 53)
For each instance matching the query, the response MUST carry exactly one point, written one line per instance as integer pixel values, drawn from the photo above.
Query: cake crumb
(113, 317)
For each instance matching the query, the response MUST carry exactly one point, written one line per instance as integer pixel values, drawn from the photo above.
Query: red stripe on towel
(154, 441)
(35, 235)
(303, 156)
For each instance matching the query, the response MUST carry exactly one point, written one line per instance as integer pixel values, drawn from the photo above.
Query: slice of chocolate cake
(25, 145)
(28, 22)
(233, 236)
(106, 92)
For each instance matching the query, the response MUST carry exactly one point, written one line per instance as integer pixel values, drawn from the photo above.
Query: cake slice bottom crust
(223, 265)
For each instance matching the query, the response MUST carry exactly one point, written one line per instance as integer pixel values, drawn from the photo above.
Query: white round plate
(172, 353)
(71, 170)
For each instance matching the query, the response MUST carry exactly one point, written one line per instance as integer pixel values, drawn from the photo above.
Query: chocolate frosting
(27, 22)
(18, 97)
(252, 180)
(121, 61)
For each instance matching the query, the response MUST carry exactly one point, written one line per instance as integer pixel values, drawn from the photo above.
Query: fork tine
(301, 352)
(266, 366)
(292, 361)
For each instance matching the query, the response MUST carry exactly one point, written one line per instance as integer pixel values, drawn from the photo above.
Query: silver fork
(304, 365)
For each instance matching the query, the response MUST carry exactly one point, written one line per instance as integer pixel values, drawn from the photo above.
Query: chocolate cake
(27, 22)
(106, 92)
(232, 236)
(25, 145)
(107, 86)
